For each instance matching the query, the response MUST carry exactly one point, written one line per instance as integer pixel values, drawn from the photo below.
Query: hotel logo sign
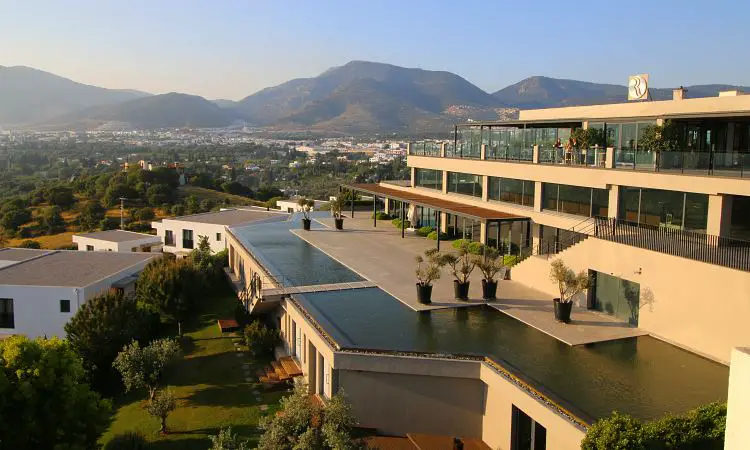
(638, 87)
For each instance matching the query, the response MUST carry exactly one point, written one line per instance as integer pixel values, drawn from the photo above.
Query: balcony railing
(716, 163)
(712, 249)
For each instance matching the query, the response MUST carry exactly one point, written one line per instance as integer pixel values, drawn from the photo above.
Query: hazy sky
(230, 49)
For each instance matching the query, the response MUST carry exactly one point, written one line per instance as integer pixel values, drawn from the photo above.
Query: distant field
(204, 194)
(50, 242)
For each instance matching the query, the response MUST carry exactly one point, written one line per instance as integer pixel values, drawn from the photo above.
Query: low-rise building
(180, 235)
(40, 290)
(117, 241)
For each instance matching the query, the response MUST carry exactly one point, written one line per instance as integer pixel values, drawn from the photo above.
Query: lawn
(211, 390)
(217, 196)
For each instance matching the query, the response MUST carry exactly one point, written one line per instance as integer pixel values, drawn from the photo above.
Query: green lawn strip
(210, 386)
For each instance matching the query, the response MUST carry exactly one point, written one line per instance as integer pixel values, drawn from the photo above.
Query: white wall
(738, 407)
(108, 246)
(199, 229)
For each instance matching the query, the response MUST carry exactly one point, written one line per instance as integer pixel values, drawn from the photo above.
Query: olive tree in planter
(462, 264)
(490, 264)
(337, 206)
(306, 206)
(570, 284)
(428, 270)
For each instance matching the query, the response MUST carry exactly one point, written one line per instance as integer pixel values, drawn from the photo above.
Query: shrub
(30, 243)
(139, 227)
(433, 235)
(260, 339)
(424, 231)
(381, 216)
(511, 260)
(130, 440)
(397, 223)
(700, 428)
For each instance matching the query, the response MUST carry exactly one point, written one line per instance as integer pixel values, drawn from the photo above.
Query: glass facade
(428, 178)
(465, 183)
(578, 200)
(511, 190)
(616, 296)
(660, 208)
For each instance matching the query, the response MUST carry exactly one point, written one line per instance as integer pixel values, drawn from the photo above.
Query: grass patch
(51, 242)
(217, 196)
(210, 388)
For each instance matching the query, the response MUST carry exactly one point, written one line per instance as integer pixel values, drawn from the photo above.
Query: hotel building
(665, 236)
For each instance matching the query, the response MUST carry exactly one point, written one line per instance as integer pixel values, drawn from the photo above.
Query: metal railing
(732, 164)
(708, 248)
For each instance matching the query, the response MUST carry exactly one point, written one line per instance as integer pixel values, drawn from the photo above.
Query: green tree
(51, 220)
(116, 191)
(30, 243)
(260, 339)
(171, 288)
(44, 400)
(160, 405)
(192, 206)
(304, 424)
(143, 367)
(127, 441)
(61, 196)
(178, 210)
(207, 205)
(100, 328)
(91, 215)
(159, 194)
(266, 192)
(13, 218)
(660, 138)
(226, 440)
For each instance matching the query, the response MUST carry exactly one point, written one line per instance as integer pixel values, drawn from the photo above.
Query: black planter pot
(461, 290)
(562, 310)
(306, 224)
(424, 294)
(489, 289)
(339, 223)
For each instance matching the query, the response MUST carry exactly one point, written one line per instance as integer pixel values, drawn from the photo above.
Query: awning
(459, 209)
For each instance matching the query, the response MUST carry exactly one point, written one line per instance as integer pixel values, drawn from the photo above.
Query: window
(526, 433)
(218, 237)
(187, 238)
(6, 313)
(89, 248)
(465, 183)
(426, 178)
(64, 306)
(578, 200)
(168, 238)
(520, 192)
(667, 209)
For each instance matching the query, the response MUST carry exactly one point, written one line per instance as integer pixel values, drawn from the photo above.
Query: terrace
(637, 375)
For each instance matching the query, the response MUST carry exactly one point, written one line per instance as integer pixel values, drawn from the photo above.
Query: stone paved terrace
(380, 255)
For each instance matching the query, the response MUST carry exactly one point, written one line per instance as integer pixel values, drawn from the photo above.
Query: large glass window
(187, 238)
(526, 433)
(520, 192)
(7, 318)
(465, 183)
(427, 178)
(578, 200)
(660, 208)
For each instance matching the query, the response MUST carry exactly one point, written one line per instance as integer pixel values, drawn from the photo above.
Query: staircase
(281, 371)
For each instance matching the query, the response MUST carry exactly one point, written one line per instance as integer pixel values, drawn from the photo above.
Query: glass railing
(734, 164)
(427, 148)
(508, 153)
(594, 157)
(469, 151)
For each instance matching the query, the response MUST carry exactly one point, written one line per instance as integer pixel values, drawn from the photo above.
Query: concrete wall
(700, 306)
(152, 242)
(199, 229)
(738, 409)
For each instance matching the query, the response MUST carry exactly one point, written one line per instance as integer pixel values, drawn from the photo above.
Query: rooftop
(69, 268)
(19, 254)
(232, 217)
(641, 376)
(118, 236)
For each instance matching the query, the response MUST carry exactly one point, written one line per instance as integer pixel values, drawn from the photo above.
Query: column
(445, 182)
(609, 159)
(443, 222)
(483, 152)
(738, 403)
(538, 196)
(442, 149)
(536, 236)
(535, 154)
(719, 215)
(483, 232)
(614, 201)
(485, 187)
(413, 174)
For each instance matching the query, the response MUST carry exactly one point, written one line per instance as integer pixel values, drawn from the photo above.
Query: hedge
(424, 231)
(381, 216)
(397, 223)
(475, 248)
(433, 236)
(701, 428)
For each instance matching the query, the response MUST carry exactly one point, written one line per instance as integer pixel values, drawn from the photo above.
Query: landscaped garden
(209, 384)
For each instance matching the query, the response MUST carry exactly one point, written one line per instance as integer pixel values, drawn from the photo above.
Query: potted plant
(490, 264)
(428, 270)
(337, 206)
(570, 284)
(462, 264)
(306, 206)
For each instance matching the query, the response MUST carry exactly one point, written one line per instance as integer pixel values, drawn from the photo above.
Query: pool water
(640, 376)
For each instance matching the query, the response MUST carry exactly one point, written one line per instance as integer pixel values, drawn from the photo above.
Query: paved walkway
(380, 255)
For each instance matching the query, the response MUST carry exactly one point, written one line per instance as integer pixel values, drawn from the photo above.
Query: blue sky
(230, 49)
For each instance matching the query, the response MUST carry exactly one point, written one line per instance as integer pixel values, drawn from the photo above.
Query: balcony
(734, 164)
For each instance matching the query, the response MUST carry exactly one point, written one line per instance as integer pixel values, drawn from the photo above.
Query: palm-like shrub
(568, 282)
(428, 267)
(461, 264)
(306, 206)
(490, 264)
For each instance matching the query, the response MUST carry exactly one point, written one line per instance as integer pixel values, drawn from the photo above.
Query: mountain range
(358, 97)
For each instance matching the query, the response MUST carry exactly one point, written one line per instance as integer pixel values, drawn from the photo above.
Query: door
(526, 433)
(618, 297)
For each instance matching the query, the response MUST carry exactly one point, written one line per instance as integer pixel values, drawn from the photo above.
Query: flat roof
(69, 268)
(229, 217)
(459, 209)
(20, 254)
(118, 236)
